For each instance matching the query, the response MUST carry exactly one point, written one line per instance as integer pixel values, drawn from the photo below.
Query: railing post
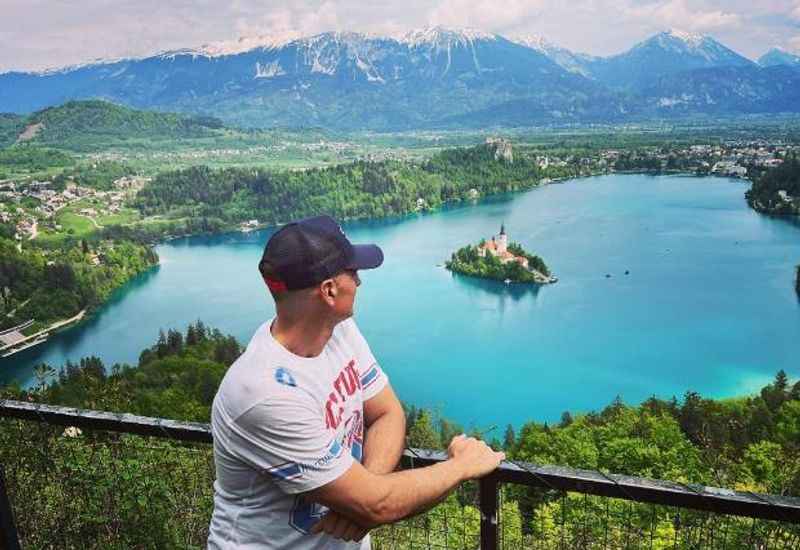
(487, 493)
(9, 540)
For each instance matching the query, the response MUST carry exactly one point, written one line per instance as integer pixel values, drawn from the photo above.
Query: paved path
(42, 332)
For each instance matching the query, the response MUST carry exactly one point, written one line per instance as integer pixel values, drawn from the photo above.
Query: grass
(123, 217)
(50, 238)
(75, 225)
(14, 173)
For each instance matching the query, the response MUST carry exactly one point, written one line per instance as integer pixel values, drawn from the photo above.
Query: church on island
(498, 247)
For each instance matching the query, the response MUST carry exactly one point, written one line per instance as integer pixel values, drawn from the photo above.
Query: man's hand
(474, 456)
(340, 527)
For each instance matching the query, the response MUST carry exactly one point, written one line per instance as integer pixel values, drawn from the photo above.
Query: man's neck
(304, 336)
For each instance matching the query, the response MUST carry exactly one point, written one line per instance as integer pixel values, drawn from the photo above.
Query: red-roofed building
(498, 247)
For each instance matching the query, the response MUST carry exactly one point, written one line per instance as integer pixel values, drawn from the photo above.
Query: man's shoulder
(258, 374)
(347, 329)
(259, 369)
(252, 390)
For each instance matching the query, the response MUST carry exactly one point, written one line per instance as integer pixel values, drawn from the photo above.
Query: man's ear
(328, 290)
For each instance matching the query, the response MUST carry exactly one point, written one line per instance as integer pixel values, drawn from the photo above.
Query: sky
(40, 34)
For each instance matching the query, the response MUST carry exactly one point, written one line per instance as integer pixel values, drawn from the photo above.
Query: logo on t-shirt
(344, 385)
(283, 376)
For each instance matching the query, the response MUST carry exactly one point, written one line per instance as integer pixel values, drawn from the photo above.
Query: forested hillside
(11, 126)
(177, 377)
(358, 190)
(30, 158)
(49, 285)
(82, 125)
(777, 191)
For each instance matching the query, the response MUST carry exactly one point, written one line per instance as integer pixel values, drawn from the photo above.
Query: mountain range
(433, 77)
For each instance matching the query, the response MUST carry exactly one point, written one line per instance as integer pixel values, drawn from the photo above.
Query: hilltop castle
(498, 247)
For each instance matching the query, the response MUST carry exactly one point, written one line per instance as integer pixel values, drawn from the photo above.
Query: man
(307, 430)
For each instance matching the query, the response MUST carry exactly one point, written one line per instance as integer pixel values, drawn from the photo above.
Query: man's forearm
(384, 442)
(371, 500)
(408, 492)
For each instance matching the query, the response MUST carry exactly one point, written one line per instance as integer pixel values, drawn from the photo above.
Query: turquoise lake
(708, 304)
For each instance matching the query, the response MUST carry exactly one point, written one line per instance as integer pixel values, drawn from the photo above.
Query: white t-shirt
(284, 425)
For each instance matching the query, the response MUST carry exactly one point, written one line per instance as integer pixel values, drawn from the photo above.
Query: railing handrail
(632, 488)
(108, 421)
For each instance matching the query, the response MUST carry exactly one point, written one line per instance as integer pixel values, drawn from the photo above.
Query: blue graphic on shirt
(283, 376)
(356, 451)
(305, 514)
(370, 377)
(285, 472)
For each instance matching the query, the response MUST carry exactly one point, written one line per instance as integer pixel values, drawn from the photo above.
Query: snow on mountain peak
(691, 39)
(98, 61)
(534, 42)
(444, 36)
(339, 37)
(682, 42)
(702, 48)
(247, 43)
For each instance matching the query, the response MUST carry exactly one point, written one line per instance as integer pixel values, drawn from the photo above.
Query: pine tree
(411, 415)
(191, 335)
(227, 350)
(161, 344)
(509, 439)
(448, 430)
(692, 417)
(775, 394)
(200, 328)
(781, 381)
(174, 342)
(421, 435)
(795, 393)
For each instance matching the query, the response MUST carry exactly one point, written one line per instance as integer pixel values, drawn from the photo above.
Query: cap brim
(366, 256)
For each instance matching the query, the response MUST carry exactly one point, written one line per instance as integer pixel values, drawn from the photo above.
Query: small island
(500, 260)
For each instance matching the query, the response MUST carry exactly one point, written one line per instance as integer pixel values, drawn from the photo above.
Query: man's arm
(371, 500)
(385, 423)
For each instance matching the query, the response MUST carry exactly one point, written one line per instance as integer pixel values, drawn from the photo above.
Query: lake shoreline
(240, 228)
(672, 233)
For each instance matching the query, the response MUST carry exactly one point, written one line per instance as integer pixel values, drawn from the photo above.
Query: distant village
(29, 219)
(337, 151)
(732, 159)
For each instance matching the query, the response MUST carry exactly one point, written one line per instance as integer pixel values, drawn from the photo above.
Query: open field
(123, 217)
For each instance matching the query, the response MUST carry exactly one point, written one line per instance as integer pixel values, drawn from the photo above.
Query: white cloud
(678, 13)
(795, 13)
(488, 15)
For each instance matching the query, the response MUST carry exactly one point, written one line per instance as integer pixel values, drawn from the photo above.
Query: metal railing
(520, 505)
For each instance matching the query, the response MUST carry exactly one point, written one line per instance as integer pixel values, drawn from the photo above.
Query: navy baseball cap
(305, 252)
